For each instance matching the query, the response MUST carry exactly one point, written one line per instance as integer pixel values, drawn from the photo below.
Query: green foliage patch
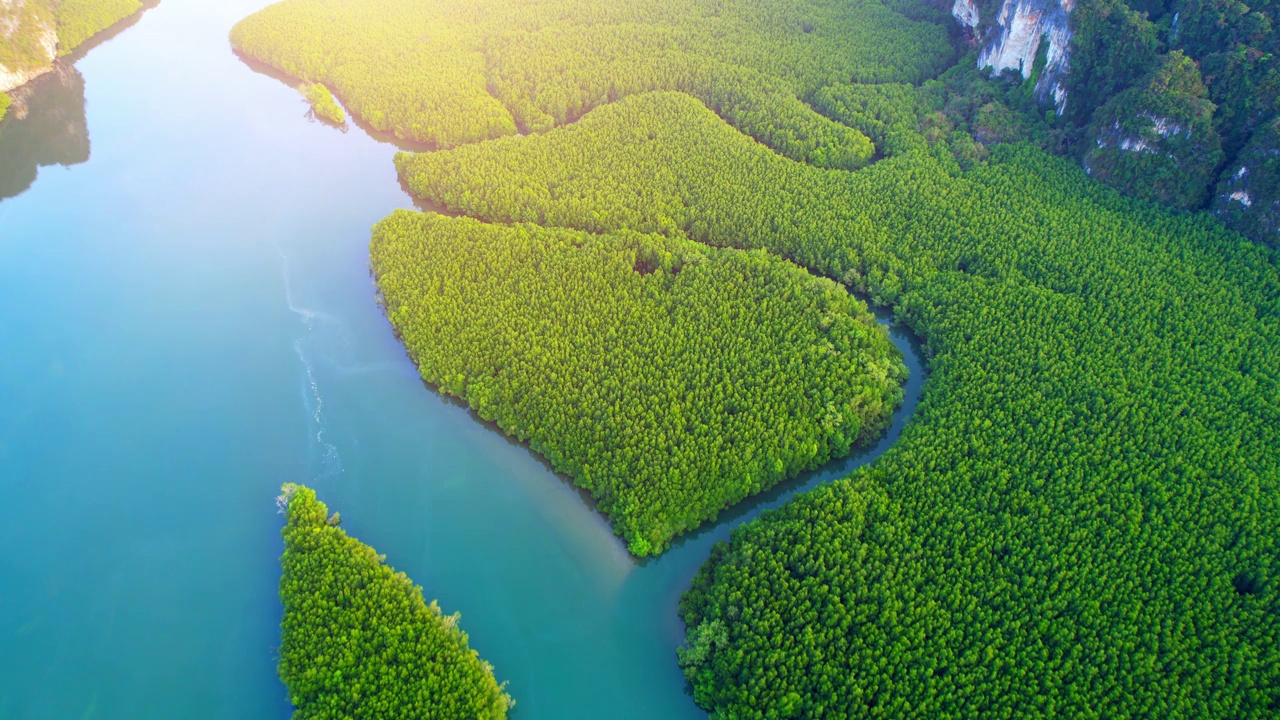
(323, 104)
(5, 102)
(1082, 518)
(461, 71)
(80, 20)
(28, 35)
(360, 642)
(1156, 140)
(669, 379)
(1246, 198)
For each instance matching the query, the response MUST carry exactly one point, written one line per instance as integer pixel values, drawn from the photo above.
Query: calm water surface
(186, 322)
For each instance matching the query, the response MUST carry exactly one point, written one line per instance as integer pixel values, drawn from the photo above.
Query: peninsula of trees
(324, 105)
(1082, 519)
(668, 378)
(360, 642)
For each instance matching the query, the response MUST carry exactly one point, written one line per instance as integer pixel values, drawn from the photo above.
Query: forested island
(1082, 518)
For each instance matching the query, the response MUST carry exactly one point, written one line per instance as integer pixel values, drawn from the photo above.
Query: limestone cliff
(28, 41)
(1012, 40)
(35, 33)
(1156, 140)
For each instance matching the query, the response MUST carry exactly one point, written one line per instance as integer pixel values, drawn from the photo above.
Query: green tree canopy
(358, 639)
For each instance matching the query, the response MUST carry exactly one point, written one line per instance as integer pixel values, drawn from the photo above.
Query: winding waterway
(186, 322)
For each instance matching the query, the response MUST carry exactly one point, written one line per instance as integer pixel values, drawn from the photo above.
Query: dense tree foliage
(1156, 140)
(323, 104)
(360, 642)
(1081, 521)
(459, 71)
(961, 110)
(1113, 48)
(79, 20)
(5, 102)
(669, 379)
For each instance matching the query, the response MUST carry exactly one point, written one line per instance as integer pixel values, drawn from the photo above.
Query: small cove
(189, 322)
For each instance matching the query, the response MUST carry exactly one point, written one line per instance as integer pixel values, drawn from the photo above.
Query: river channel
(187, 321)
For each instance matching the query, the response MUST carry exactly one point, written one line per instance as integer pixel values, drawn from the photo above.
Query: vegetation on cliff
(29, 38)
(668, 378)
(1247, 193)
(1116, 50)
(359, 641)
(5, 102)
(1156, 140)
(34, 33)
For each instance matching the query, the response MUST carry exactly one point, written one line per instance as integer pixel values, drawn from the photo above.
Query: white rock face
(1165, 126)
(10, 20)
(1242, 197)
(1129, 144)
(1020, 27)
(966, 13)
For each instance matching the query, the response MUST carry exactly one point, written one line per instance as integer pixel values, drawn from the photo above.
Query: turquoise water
(186, 322)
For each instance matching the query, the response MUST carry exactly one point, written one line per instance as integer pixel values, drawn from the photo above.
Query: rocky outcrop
(1156, 140)
(966, 13)
(1248, 196)
(1013, 39)
(28, 42)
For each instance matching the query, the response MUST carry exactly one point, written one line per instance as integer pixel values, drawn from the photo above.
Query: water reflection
(45, 126)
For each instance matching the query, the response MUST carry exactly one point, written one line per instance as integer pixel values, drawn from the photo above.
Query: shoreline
(62, 62)
(873, 441)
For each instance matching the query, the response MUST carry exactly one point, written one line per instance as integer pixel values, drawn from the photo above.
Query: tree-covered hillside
(1183, 143)
(1081, 521)
(669, 379)
(360, 642)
